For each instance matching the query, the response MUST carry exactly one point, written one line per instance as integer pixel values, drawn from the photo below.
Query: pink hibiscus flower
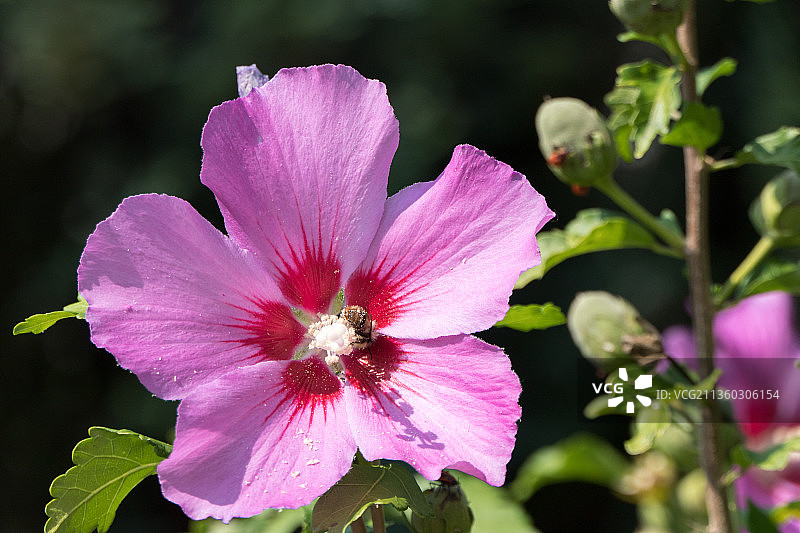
(329, 318)
(757, 347)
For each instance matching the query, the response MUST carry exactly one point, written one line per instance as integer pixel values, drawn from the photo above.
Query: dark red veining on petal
(273, 331)
(310, 280)
(385, 299)
(370, 371)
(309, 384)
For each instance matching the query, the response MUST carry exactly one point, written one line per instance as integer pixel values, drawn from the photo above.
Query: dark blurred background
(104, 99)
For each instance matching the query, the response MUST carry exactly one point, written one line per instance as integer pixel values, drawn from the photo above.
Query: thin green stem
(715, 165)
(378, 520)
(617, 194)
(762, 248)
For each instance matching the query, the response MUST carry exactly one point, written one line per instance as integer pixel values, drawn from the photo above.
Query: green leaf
(363, 486)
(790, 511)
(107, 466)
(699, 126)
(579, 457)
(592, 230)
(492, 506)
(642, 103)
(528, 317)
(779, 148)
(38, 323)
(651, 422)
(773, 458)
(758, 521)
(775, 275)
(272, 520)
(724, 67)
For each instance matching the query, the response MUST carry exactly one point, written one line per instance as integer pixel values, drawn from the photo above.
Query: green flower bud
(575, 141)
(691, 493)
(649, 17)
(607, 327)
(776, 212)
(451, 509)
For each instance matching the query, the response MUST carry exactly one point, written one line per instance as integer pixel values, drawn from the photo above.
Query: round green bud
(690, 494)
(451, 509)
(649, 17)
(606, 328)
(776, 211)
(575, 141)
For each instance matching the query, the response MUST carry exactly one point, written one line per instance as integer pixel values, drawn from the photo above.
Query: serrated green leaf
(699, 126)
(592, 230)
(579, 457)
(528, 317)
(38, 323)
(642, 103)
(779, 148)
(362, 486)
(773, 275)
(724, 67)
(108, 465)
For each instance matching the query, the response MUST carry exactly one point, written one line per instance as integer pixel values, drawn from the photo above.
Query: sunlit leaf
(774, 275)
(642, 103)
(363, 486)
(528, 317)
(272, 520)
(108, 465)
(699, 126)
(592, 230)
(779, 148)
(38, 323)
(724, 67)
(492, 506)
(579, 457)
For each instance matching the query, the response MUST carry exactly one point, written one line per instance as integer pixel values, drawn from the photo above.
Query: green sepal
(779, 148)
(642, 103)
(592, 230)
(362, 486)
(529, 317)
(38, 323)
(699, 126)
(108, 465)
(579, 457)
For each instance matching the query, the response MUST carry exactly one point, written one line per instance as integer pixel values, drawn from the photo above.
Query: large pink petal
(444, 403)
(271, 435)
(448, 252)
(299, 168)
(758, 326)
(176, 301)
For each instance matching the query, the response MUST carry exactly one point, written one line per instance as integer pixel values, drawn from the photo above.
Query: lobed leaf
(108, 465)
(592, 230)
(645, 97)
(699, 126)
(38, 323)
(528, 317)
(779, 148)
(579, 457)
(362, 486)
